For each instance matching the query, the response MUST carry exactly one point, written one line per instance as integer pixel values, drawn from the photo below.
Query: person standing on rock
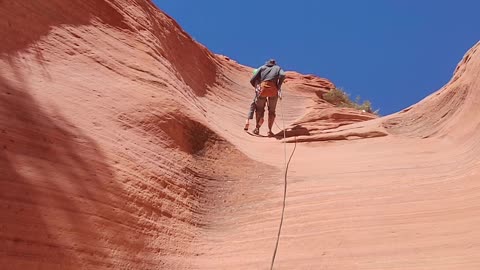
(270, 76)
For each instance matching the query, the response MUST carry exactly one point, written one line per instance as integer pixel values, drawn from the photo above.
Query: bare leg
(259, 113)
(272, 105)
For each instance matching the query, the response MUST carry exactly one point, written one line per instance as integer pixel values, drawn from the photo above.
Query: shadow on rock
(297, 130)
(61, 206)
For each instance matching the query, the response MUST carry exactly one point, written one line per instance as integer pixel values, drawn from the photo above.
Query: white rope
(285, 184)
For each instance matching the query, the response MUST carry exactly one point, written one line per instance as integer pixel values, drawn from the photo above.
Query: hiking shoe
(246, 127)
(270, 134)
(256, 131)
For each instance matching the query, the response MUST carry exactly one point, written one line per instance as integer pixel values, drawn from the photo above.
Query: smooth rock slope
(121, 147)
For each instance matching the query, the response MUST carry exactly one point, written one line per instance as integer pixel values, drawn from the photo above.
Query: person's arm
(255, 78)
(281, 78)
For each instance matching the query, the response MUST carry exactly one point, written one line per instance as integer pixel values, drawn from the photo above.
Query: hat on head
(271, 62)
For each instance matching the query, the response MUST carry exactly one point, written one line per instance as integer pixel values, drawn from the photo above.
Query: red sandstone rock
(121, 148)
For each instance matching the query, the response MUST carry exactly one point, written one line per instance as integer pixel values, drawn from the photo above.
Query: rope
(285, 185)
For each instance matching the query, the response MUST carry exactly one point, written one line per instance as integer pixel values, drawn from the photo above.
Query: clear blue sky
(392, 52)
